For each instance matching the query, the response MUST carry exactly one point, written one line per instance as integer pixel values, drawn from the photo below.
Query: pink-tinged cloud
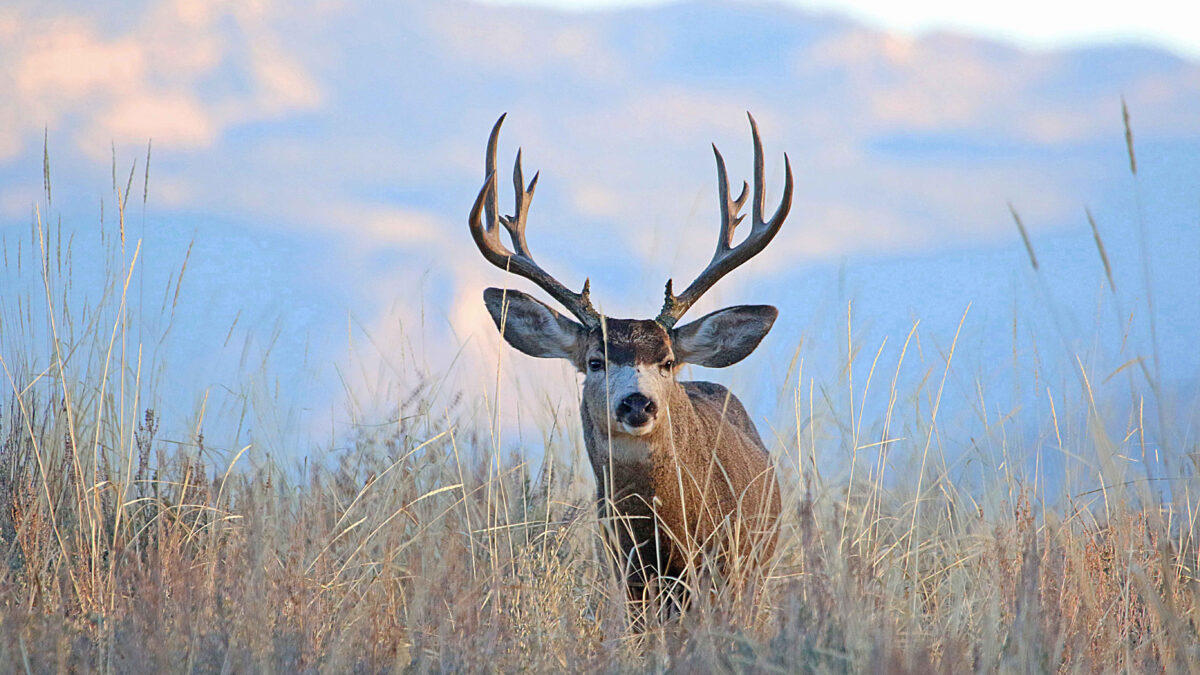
(69, 62)
(174, 120)
(283, 83)
(526, 45)
(146, 80)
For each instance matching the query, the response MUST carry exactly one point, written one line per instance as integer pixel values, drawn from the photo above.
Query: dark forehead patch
(633, 341)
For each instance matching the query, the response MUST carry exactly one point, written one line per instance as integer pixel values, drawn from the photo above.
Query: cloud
(283, 83)
(151, 78)
(173, 120)
(376, 225)
(68, 61)
(529, 45)
(930, 83)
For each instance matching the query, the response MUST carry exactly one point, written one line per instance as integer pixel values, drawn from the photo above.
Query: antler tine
(730, 210)
(515, 224)
(486, 234)
(492, 204)
(520, 261)
(728, 257)
(785, 204)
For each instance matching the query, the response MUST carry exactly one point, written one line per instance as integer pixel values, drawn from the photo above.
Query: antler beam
(518, 260)
(727, 256)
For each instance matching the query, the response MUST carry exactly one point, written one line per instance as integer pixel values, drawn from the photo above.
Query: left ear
(724, 337)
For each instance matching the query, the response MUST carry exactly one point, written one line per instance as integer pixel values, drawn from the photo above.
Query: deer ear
(724, 337)
(531, 326)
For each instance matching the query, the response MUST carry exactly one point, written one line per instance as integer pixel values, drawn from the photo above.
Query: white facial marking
(637, 431)
(626, 380)
(623, 380)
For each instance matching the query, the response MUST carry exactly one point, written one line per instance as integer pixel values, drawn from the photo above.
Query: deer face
(630, 371)
(629, 364)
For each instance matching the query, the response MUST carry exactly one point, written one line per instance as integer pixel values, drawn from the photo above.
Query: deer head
(629, 364)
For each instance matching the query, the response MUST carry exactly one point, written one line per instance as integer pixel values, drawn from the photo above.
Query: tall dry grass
(426, 545)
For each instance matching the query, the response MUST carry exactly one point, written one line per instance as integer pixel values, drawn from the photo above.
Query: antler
(728, 257)
(519, 262)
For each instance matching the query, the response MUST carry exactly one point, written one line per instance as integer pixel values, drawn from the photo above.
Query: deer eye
(596, 365)
(667, 367)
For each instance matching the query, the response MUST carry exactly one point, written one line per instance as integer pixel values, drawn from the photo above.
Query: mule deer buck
(681, 473)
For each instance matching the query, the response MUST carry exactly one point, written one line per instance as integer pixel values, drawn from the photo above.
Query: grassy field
(426, 544)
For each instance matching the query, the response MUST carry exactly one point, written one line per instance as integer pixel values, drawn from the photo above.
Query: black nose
(636, 410)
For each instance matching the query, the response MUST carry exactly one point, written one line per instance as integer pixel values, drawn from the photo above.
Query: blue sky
(320, 160)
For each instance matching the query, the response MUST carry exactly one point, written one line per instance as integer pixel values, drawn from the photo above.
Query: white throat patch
(626, 449)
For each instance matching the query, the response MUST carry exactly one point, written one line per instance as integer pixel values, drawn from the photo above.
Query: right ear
(532, 327)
